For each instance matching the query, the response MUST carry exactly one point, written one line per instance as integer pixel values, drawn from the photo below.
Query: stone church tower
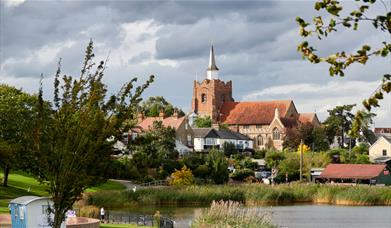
(210, 94)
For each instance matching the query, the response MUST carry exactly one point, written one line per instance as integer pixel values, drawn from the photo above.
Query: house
(357, 173)
(382, 130)
(207, 138)
(380, 151)
(31, 211)
(265, 122)
(183, 132)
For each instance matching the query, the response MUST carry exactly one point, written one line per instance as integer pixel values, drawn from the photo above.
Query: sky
(255, 44)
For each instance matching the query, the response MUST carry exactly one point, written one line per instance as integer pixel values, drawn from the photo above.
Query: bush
(259, 154)
(201, 171)
(182, 177)
(218, 165)
(229, 149)
(241, 174)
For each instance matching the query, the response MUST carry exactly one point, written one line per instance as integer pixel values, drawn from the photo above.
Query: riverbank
(248, 194)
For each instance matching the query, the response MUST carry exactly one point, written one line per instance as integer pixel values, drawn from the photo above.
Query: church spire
(211, 72)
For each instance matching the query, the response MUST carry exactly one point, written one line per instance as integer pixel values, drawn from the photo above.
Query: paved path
(128, 184)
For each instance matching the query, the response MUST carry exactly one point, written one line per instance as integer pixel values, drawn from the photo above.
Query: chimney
(140, 117)
(161, 114)
(175, 115)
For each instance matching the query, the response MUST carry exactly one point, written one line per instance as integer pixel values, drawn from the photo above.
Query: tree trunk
(58, 218)
(6, 172)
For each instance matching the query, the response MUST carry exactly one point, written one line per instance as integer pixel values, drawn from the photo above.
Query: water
(296, 216)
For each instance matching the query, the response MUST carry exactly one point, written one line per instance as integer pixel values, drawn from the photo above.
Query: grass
(21, 184)
(250, 194)
(232, 214)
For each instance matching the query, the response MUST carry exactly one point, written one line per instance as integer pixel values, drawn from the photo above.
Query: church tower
(210, 94)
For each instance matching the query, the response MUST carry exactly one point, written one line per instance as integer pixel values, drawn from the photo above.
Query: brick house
(184, 135)
(263, 121)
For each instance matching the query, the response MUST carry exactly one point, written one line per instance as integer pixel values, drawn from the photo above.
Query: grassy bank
(250, 194)
(22, 184)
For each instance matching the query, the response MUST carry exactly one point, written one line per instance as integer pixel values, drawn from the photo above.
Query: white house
(31, 211)
(381, 150)
(207, 138)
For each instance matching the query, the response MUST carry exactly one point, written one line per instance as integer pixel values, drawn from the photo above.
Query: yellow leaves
(304, 147)
(182, 177)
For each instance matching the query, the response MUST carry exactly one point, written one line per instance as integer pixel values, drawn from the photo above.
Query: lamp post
(301, 160)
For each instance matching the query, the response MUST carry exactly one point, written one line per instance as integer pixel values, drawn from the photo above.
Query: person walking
(102, 214)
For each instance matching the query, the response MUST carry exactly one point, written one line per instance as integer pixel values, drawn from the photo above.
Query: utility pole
(301, 160)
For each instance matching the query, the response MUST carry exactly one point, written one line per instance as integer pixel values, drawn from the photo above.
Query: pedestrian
(102, 214)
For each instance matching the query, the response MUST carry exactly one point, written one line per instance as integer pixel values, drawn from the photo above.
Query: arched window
(203, 98)
(276, 134)
(260, 140)
(222, 97)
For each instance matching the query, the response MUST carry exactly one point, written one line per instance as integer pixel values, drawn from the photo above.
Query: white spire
(212, 71)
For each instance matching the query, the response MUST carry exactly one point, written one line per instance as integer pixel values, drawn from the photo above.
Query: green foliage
(229, 149)
(311, 136)
(153, 105)
(218, 166)
(241, 174)
(259, 154)
(202, 171)
(340, 61)
(154, 147)
(17, 115)
(72, 144)
(202, 122)
(182, 177)
(273, 158)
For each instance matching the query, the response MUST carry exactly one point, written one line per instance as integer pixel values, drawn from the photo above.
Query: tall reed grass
(250, 194)
(232, 214)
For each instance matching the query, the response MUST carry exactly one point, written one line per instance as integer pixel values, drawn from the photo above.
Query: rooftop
(352, 171)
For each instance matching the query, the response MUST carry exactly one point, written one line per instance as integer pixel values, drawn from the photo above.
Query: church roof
(259, 112)
(222, 134)
(212, 61)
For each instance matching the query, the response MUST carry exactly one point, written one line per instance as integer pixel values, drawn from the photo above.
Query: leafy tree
(203, 122)
(17, 114)
(229, 148)
(153, 105)
(321, 142)
(303, 147)
(340, 61)
(294, 136)
(182, 177)
(154, 146)
(273, 158)
(218, 166)
(73, 144)
(339, 122)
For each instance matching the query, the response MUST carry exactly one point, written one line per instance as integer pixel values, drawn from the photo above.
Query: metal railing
(155, 183)
(139, 219)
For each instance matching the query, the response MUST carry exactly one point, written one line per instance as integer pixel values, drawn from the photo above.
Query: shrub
(218, 165)
(182, 177)
(241, 174)
(201, 171)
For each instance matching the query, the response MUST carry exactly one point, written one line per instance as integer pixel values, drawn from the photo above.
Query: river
(295, 216)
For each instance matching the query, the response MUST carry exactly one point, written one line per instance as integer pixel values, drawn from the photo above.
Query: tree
(341, 60)
(229, 148)
(17, 112)
(153, 105)
(73, 144)
(339, 122)
(182, 177)
(203, 122)
(218, 166)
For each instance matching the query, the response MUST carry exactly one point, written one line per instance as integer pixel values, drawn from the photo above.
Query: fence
(139, 219)
(155, 183)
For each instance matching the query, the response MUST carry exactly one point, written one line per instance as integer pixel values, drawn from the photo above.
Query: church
(263, 121)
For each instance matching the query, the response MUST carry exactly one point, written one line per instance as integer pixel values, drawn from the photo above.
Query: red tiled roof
(306, 117)
(260, 112)
(352, 171)
(171, 121)
(289, 122)
(382, 130)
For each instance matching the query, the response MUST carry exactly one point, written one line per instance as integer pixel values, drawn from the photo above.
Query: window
(209, 141)
(260, 140)
(258, 126)
(246, 127)
(189, 141)
(276, 134)
(203, 98)
(223, 98)
(384, 152)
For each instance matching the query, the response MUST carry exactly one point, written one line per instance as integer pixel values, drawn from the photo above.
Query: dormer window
(276, 134)
(203, 98)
